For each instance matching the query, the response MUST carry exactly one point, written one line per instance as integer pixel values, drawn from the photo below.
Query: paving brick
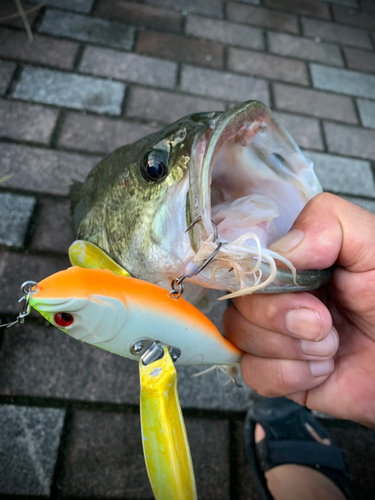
(17, 268)
(165, 106)
(211, 8)
(100, 135)
(351, 141)
(304, 7)
(209, 446)
(42, 170)
(354, 17)
(131, 67)
(6, 73)
(88, 29)
(8, 8)
(224, 32)
(117, 450)
(343, 175)
(212, 391)
(367, 112)
(348, 3)
(315, 103)
(368, 5)
(108, 463)
(273, 67)
(360, 59)
(311, 50)
(258, 16)
(305, 131)
(180, 48)
(55, 359)
(73, 91)
(26, 122)
(84, 6)
(343, 81)
(223, 85)
(29, 441)
(15, 214)
(42, 50)
(336, 33)
(53, 231)
(358, 446)
(139, 15)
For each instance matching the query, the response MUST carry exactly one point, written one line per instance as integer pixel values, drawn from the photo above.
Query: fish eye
(154, 166)
(63, 319)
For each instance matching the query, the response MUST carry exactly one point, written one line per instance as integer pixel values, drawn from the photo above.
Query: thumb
(330, 229)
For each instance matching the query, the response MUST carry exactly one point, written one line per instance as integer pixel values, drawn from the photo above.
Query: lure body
(114, 312)
(165, 444)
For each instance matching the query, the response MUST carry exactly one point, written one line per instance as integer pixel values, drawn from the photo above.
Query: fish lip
(258, 118)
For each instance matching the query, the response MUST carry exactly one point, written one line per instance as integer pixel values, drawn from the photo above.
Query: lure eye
(63, 319)
(154, 166)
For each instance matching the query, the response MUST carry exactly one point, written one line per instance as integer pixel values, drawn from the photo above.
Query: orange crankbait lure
(122, 315)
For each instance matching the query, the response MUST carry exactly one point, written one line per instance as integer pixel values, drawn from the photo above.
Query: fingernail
(320, 368)
(288, 242)
(325, 347)
(304, 323)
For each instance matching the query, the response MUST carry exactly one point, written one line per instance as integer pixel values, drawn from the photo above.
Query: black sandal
(288, 441)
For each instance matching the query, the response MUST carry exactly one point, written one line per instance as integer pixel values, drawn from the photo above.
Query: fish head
(232, 176)
(133, 205)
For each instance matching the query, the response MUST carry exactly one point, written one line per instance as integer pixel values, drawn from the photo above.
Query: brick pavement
(103, 73)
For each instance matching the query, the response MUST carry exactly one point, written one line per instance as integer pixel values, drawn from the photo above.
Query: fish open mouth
(248, 179)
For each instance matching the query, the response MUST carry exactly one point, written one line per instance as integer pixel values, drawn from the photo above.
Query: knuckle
(322, 200)
(273, 346)
(286, 378)
(269, 392)
(259, 309)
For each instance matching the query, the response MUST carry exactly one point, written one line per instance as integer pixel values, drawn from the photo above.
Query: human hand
(317, 348)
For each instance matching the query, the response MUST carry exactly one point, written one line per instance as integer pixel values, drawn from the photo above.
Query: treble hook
(177, 286)
(216, 232)
(27, 289)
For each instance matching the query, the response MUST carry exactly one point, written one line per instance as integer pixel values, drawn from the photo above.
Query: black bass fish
(217, 187)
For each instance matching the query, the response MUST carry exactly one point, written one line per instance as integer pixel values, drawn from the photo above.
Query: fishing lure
(126, 315)
(140, 321)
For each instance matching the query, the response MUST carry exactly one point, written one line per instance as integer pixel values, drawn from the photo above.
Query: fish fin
(86, 254)
(75, 193)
